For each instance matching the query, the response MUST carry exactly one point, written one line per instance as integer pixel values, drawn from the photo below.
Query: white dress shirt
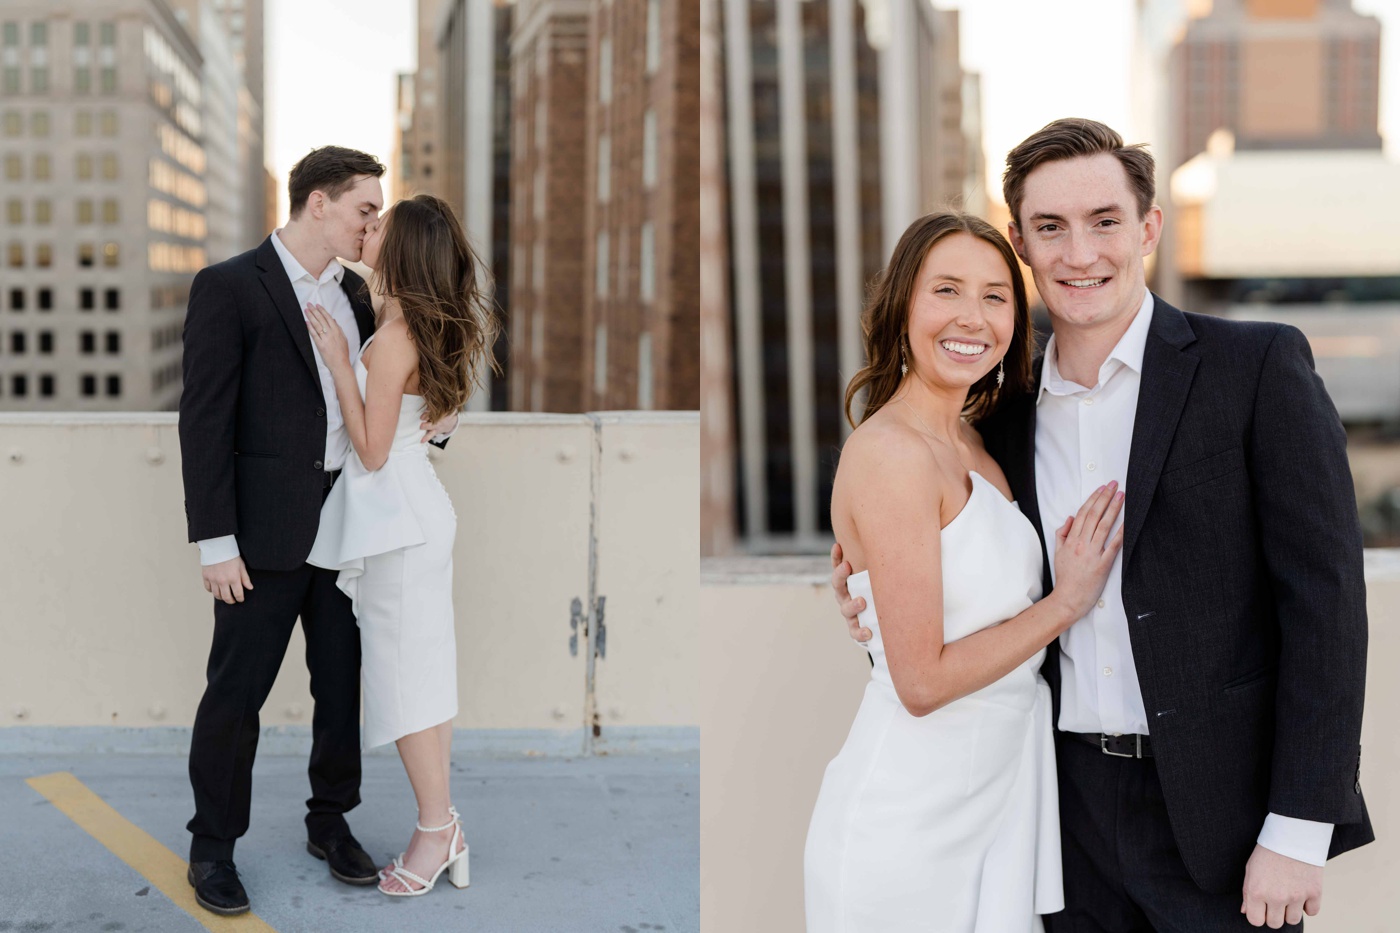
(1083, 437)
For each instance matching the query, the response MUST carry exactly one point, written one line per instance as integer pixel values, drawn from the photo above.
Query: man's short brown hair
(332, 169)
(1069, 139)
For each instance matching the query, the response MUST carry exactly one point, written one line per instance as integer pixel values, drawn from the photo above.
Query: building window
(43, 255)
(14, 123)
(110, 213)
(14, 167)
(39, 124)
(87, 343)
(87, 298)
(82, 123)
(86, 255)
(539, 192)
(604, 168)
(653, 36)
(16, 257)
(84, 166)
(16, 299)
(112, 299)
(19, 385)
(605, 70)
(84, 210)
(46, 342)
(539, 122)
(82, 34)
(113, 342)
(600, 360)
(109, 166)
(46, 385)
(114, 386)
(12, 79)
(646, 397)
(17, 342)
(39, 34)
(537, 266)
(89, 385)
(43, 211)
(39, 80)
(11, 34)
(649, 148)
(107, 33)
(109, 123)
(646, 265)
(111, 256)
(14, 211)
(43, 167)
(602, 265)
(45, 299)
(109, 82)
(82, 80)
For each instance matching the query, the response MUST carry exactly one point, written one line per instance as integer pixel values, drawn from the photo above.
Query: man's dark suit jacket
(1242, 582)
(252, 416)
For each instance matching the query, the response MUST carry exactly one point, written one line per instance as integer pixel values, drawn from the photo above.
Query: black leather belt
(331, 476)
(1120, 746)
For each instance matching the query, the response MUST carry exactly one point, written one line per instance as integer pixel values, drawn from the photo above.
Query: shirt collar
(295, 270)
(1128, 352)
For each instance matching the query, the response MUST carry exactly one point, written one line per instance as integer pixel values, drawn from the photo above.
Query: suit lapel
(279, 289)
(364, 312)
(1167, 372)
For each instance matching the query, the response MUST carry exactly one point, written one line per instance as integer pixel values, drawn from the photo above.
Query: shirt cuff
(1303, 840)
(217, 550)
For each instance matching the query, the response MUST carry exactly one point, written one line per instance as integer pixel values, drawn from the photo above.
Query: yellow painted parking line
(162, 868)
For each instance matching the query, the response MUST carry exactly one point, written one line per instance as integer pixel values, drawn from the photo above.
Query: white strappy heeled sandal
(455, 866)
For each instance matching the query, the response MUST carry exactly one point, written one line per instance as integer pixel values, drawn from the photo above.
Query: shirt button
(1088, 401)
(1108, 672)
(318, 464)
(1101, 604)
(1090, 466)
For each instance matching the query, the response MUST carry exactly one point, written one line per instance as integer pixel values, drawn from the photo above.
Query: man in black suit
(262, 441)
(1208, 711)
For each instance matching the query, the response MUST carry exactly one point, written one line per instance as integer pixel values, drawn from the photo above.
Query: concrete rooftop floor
(609, 843)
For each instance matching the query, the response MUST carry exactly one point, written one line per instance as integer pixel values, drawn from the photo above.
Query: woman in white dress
(940, 813)
(388, 525)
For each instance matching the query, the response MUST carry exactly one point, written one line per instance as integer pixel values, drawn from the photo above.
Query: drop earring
(1001, 372)
(903, 360)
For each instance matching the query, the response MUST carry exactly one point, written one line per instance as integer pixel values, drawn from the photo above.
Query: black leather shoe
(348, 860)
(217, 888)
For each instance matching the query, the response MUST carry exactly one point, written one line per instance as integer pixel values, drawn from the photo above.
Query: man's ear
(316, 203)
(1018, 243)
(1152, 230)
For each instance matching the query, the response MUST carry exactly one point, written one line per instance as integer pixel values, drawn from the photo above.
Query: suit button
(320, 413)
(318, 464)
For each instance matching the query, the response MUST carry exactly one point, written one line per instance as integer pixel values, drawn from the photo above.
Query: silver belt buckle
(1103, 747)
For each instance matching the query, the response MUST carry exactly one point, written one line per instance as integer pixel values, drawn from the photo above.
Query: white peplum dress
(390, 533)
(947, 822)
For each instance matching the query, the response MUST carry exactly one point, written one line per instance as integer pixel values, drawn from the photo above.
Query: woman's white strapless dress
(947, 822)
(390, 534)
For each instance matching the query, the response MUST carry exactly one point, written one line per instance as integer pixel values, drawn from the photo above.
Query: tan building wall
(549, 68)
(773, 713)
(641, 309)
(599, 508)
(104, 198)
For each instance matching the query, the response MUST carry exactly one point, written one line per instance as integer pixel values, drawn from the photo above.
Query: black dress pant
(1122, 870)
(250, 640)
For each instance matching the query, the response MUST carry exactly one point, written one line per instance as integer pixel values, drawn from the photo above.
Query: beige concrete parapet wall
(783, 681)
(104, 621)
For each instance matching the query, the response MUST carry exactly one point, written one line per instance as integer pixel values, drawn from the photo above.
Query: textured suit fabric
(252, 416)
(1243, 584)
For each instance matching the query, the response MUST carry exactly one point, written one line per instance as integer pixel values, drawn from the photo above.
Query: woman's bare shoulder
(884, 447)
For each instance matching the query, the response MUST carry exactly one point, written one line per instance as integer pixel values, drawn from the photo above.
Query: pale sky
(1043, 59)
(330, 78)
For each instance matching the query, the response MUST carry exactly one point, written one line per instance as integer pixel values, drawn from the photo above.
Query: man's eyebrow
(1106, 209)
(369, 204)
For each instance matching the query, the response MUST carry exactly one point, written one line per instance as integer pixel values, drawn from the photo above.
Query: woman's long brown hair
(427, 265)
(885, 320)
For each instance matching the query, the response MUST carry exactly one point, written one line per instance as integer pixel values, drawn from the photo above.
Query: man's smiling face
(1080, 232)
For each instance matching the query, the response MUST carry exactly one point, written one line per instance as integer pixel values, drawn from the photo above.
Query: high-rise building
(846, 121)
(641, 313)
(472, 140)
(243, 21)
(718, 522)
(549, 271)
(102, 181)
(422, 168)
(402, 167)
(1277, 74)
